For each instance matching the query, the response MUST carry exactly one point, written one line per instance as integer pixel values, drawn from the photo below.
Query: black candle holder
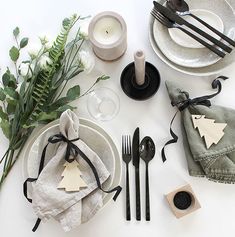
(140, 92)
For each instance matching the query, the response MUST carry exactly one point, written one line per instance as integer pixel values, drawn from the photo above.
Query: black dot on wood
(182, 200)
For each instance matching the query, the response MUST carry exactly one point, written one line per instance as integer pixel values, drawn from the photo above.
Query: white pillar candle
(108, 35)
(139, 58)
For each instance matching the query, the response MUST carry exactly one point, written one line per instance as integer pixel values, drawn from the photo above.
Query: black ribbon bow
(202, 100)
(71, 151)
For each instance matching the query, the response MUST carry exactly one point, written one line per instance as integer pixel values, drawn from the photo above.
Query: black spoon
(147, 152)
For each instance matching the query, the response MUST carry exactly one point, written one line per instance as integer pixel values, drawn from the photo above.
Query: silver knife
(136, 163)
(179, 20)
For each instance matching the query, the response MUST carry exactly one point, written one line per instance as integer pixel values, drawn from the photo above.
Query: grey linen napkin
(218, 162)
(69, 208)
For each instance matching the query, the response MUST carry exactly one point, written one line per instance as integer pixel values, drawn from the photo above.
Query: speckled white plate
(209, 17)
(225, 10)
(186, 57)
(93, 135)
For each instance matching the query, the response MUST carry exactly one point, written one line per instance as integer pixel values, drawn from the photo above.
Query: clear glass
(103, 104)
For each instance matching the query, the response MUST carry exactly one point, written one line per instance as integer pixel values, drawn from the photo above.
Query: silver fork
(126, 156)
(169, 24)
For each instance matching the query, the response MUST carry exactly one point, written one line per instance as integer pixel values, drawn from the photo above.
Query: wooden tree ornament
(72, 180)
(207, 128)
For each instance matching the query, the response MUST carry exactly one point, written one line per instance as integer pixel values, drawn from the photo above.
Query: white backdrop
(215, 218)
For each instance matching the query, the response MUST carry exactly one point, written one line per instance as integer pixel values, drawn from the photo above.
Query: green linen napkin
(218, 162)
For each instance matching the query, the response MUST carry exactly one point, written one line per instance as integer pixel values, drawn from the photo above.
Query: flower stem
(88, 90)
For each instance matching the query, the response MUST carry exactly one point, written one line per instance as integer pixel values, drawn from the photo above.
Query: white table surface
(215, 218)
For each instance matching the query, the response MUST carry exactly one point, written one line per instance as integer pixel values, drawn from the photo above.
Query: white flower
(44, 61)
(34, 50)
(84, 29)
(48, 45)
(86, 60)
(44, 40)
(24, 70)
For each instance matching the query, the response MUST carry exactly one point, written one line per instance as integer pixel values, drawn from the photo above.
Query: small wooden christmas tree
(211, 131)
(72, 180)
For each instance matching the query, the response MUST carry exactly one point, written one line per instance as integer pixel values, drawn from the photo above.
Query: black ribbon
(71, 151)
(203, 100)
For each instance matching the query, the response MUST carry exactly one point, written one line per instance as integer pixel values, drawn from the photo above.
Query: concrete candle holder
(108, 35)
(140, 80)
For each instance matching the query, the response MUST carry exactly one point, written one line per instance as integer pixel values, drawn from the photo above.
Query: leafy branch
(34, 97)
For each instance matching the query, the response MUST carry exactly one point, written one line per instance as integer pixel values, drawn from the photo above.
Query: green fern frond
(45, 77)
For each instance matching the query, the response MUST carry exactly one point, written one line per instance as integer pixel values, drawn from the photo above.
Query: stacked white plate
(93, 135)
(183, 53)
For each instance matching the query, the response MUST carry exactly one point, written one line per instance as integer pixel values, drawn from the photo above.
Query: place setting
(72, 167)
(193, 37)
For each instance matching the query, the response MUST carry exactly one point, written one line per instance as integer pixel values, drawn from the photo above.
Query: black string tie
(72, 151)
(203, 100)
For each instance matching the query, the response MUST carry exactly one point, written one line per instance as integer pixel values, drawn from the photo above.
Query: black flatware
(179, 20)
(169, 24)
(147, 152)
(126, 156)
(136, 163)
(182, 9)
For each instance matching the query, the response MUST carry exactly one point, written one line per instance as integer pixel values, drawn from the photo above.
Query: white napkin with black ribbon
(69, 208)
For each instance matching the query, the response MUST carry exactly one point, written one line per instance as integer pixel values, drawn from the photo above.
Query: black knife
(179, 20)
(136, 163)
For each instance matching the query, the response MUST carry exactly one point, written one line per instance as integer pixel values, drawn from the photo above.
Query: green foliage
(9, 79)
(38, 99)
(5, 125)
(3, 115)
(11, 93)
(16, 32)
(73, 93)
(14, 53)
(102, 78)
(2, 95)
(24, 42)
(43, 83)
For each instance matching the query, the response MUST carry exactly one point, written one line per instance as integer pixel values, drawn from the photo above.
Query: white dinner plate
(224, 9)
(209, 17)
(93, 135)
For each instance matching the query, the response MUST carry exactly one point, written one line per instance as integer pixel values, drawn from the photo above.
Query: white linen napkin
(69, 208)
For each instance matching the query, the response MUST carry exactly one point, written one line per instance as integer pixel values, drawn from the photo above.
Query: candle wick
(107, 32)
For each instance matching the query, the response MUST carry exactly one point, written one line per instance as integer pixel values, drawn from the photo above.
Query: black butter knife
(179, 20)
(136, 163)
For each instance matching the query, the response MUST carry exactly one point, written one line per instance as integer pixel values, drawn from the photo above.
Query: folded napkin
(69, 208)
(218, 162)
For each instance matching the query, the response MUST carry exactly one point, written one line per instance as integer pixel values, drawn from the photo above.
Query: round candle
(107, 33)
(107, 30)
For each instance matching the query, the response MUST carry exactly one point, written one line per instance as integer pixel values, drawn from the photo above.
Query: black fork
(126, 156)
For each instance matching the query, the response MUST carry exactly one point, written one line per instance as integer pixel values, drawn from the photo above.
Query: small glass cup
(103, 104)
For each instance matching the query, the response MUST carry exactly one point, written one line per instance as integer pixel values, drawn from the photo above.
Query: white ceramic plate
(225, 10)
(93, 135)
(186, 57)
(209, 17)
